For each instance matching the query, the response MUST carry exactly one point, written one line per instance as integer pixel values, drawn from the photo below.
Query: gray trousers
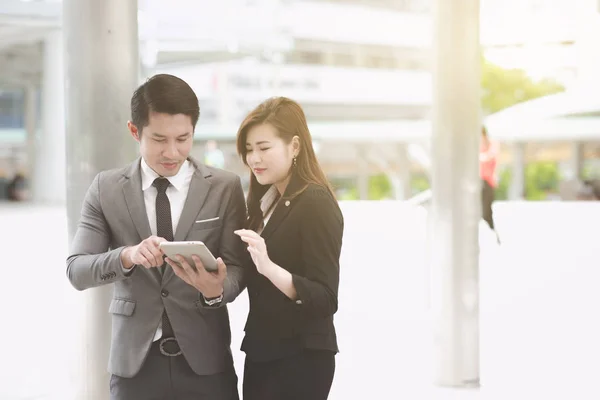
(171, 378)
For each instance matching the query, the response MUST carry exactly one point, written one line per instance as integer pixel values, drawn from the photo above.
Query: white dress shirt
(176, 192)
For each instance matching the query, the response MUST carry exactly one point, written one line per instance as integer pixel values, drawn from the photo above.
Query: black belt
(169, 347)
(168, 343)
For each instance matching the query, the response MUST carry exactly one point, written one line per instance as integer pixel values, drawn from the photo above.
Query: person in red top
(488, 154)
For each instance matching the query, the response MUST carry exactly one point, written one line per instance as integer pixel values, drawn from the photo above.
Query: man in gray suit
(170, 328)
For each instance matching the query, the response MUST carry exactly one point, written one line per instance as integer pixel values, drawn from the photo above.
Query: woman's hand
(257, 249)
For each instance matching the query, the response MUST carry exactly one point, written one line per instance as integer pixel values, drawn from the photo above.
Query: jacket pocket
(207, 224)
(122, 307)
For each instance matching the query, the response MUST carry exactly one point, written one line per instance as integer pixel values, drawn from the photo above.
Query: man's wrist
(126, 259)
(213, 301)
(212, 296)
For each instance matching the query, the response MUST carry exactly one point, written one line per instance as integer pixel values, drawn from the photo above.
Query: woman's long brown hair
(289, 120)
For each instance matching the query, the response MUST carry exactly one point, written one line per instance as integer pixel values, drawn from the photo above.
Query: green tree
(503, 184)
(541, 178)
(419, 183)
(502, 88)
(380, 187)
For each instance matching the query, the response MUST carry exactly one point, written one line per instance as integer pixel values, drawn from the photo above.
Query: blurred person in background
(589, 190)
(294, 236)
(488, 158)
(595, 185)
(17, 188)
(3, 185)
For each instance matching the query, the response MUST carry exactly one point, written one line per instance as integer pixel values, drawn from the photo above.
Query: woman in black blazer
(294, 236)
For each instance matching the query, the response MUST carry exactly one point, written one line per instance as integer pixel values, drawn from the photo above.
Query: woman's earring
(295, 162)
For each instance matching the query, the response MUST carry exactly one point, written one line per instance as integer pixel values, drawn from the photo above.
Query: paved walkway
(539, 306)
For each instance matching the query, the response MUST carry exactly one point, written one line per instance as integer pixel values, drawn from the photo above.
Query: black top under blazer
(303, 236)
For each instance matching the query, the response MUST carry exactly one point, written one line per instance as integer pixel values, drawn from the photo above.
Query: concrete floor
(539, 306)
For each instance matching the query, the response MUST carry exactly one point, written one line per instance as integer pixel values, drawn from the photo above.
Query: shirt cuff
(126, 271)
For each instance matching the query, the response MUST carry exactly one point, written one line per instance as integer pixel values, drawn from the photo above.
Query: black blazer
(304, 236)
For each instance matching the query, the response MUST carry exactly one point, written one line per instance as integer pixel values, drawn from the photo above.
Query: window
(307, 57)
(12, 109)
(344, 60)
(396, 5)
(380, 62)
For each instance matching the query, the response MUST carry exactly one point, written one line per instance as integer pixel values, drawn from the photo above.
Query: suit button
(299, 302)
(164, 293)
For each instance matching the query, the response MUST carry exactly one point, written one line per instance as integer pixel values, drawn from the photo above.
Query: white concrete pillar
(577, 159)
(49, 180)
(32, 128)
(401, 179)
(102, 59)
(453, 244)
(362, 173)
(516, 189)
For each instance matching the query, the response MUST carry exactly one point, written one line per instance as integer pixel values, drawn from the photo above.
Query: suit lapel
(283, 207)
(134, 197)
(278, 216)
(199, 188)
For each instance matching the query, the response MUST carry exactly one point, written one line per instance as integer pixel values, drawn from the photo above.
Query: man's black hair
(165, 94)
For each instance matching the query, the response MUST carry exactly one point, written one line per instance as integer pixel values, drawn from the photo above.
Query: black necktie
(164, 229)
(164, 223)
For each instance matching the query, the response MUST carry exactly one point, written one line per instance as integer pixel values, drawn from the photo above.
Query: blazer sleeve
(91, 263)
(321, 230)
(232, 249)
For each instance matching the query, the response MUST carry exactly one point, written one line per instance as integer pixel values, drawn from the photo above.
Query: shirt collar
(149, 175)
(268, 199)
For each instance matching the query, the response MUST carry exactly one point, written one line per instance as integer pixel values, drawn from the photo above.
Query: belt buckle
(164, 352)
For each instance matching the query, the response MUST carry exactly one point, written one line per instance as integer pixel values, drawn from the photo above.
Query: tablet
(187, 249)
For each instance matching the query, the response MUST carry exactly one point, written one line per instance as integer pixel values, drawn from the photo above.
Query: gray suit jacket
(113, 216)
